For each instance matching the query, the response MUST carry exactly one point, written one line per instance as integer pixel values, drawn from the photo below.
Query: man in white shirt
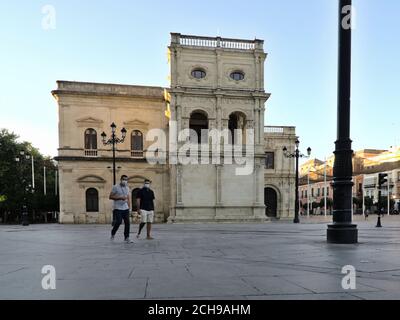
(121, 207)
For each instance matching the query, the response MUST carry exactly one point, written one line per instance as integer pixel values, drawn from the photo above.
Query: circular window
(198, 73)
(237, 75)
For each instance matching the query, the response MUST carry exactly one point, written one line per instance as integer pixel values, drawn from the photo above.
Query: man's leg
(125, 216)
(113, 218)
(118, 221)
(150, 218)
(141, 225)
(148, 230)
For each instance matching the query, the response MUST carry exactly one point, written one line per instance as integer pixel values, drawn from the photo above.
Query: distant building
(367, 164)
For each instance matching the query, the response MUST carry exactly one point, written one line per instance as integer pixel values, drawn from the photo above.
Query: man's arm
(113, 196)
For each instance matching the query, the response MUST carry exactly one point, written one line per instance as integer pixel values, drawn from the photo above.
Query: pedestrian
(121, 207)
(366, 214)
(145, 204)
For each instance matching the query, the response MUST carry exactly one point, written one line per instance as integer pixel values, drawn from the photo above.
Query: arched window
(237, 121)
(134, 198)
(92, 200)
(90, 139)
(198, 121)
(136, 144)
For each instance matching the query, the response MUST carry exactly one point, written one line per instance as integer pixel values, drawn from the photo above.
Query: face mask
(124, 182)
(147, 185)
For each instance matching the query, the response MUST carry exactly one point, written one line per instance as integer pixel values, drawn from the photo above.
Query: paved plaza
(273, 260)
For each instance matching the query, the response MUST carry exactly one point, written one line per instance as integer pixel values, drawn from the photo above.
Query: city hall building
(215, 83)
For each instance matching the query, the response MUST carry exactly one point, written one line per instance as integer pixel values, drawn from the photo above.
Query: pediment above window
(91, 179)
(89, 122)
(136, 124)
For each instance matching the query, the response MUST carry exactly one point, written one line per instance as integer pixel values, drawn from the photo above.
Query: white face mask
(124, 182)
(147, 185)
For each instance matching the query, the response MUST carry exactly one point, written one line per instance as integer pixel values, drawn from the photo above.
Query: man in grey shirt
(121, 207)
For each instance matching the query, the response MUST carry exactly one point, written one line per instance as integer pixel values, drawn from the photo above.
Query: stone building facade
(217, 85)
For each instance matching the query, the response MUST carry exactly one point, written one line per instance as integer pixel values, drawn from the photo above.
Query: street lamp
(342, 230)
(22, 159)
(113, 141)
(296, 154)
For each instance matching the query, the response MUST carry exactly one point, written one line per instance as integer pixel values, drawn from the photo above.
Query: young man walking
(145, 203)
(121, 207)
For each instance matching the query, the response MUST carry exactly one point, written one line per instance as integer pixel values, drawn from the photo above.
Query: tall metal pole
(296, 210)
(363, 196)
(44, 180)
(33, 175)
(56, 182)
(113, 150)
(342, 230)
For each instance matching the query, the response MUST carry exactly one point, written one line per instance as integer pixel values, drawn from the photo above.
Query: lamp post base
(296, 220)
(342, 233)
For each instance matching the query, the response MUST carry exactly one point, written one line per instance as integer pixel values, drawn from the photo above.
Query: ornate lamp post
(296, 154)
(342, 230)
(113, 141)
(22, 159)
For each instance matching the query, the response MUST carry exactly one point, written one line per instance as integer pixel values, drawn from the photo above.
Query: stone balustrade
(216, 42)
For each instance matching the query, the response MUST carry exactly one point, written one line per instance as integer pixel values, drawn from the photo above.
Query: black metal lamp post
(296, 154)
(342, 230)
(113, 141)
(22, 159)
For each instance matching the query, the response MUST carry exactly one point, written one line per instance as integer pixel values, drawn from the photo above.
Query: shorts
(146, 216)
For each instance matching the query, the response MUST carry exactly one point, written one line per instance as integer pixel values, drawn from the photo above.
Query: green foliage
(16, 178)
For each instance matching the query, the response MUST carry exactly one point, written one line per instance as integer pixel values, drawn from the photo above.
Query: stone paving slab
(275, 260)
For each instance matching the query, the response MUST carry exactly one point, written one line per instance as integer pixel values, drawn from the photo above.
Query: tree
(16, 179)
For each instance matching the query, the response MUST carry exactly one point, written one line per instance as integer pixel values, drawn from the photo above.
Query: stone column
(261, 125)
(257, 67)
(256, 121)
(179, 185)
(218, 168)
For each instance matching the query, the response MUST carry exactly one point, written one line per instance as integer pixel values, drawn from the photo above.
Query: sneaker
(137, 236)
(127, 240)
(150, 238)
(112, 238)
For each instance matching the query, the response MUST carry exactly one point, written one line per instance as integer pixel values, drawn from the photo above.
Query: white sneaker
(127, 240)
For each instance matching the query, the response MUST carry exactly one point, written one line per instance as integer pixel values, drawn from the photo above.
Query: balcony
(90, 152)
(138, 154)
(216, 42)
(274, 130)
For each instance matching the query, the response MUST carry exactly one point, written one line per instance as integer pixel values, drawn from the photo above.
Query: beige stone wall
(88, 105)
(210, 192)
(282, 177)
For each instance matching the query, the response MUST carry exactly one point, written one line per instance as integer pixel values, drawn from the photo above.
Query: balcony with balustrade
(216, 42)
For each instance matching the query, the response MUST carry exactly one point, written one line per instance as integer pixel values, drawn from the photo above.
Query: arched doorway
(271, 202)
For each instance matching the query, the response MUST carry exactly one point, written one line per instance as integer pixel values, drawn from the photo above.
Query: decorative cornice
(89, 121)
(135, 124)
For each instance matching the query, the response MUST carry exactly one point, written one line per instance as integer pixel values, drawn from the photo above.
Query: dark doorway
(271, 202)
